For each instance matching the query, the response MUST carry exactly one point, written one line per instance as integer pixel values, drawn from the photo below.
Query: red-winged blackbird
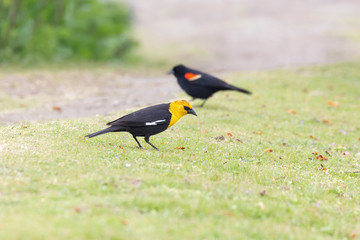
(149, 121)
(201, 85)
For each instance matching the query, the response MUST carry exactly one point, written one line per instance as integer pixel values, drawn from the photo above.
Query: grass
(225, 184)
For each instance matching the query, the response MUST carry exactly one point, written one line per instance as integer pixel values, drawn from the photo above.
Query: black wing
(209, 81)
(150, 116)
(212, 82)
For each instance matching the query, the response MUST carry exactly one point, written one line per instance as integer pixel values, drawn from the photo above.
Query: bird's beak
(191, 111)
(171, 72)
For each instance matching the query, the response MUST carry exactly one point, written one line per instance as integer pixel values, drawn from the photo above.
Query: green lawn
(225, 184)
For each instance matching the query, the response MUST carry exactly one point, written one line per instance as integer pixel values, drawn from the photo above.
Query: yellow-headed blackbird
(200, 85)
(149, 121)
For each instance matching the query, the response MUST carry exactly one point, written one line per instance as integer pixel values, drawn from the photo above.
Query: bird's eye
(186, 108)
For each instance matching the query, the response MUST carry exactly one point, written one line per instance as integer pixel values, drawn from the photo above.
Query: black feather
(203, 87)
(136, 123)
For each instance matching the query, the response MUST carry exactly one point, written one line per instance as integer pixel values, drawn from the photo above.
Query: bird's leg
(203, 103)
(193, 99)
(147, 140)
(137, 142)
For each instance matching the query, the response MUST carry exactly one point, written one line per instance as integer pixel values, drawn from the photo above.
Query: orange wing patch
(192, 76)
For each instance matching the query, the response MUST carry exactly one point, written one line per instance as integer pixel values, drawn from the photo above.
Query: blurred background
(77, 58)
(64, 30)
(234, 35)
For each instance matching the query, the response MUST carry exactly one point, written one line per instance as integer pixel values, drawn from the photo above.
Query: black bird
(149, 121)
(201, 85)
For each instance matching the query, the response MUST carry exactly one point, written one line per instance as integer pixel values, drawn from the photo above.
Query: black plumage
(201, 85)
(148, 121)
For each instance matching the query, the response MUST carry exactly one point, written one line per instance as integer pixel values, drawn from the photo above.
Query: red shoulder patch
(192, 76)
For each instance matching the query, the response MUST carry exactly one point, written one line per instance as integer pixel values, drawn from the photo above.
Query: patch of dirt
(71, 94)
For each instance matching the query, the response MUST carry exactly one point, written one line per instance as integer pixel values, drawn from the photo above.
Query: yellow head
(178, 109)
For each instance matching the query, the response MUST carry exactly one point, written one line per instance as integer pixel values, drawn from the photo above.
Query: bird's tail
(239, 89)
(106, 130)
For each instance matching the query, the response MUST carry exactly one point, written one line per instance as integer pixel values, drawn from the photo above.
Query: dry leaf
(180, 148)
(230, 135)
(162, 155)
(56, 108)
(327, 121)
(78, 210)
(121, 147)
(292, 111)
(322, 167)
(263, 193)
(268, 150)
(311, 136)
(125, 222)
(258, 132)
(321, 157)
(261, 205)
(333, 104)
